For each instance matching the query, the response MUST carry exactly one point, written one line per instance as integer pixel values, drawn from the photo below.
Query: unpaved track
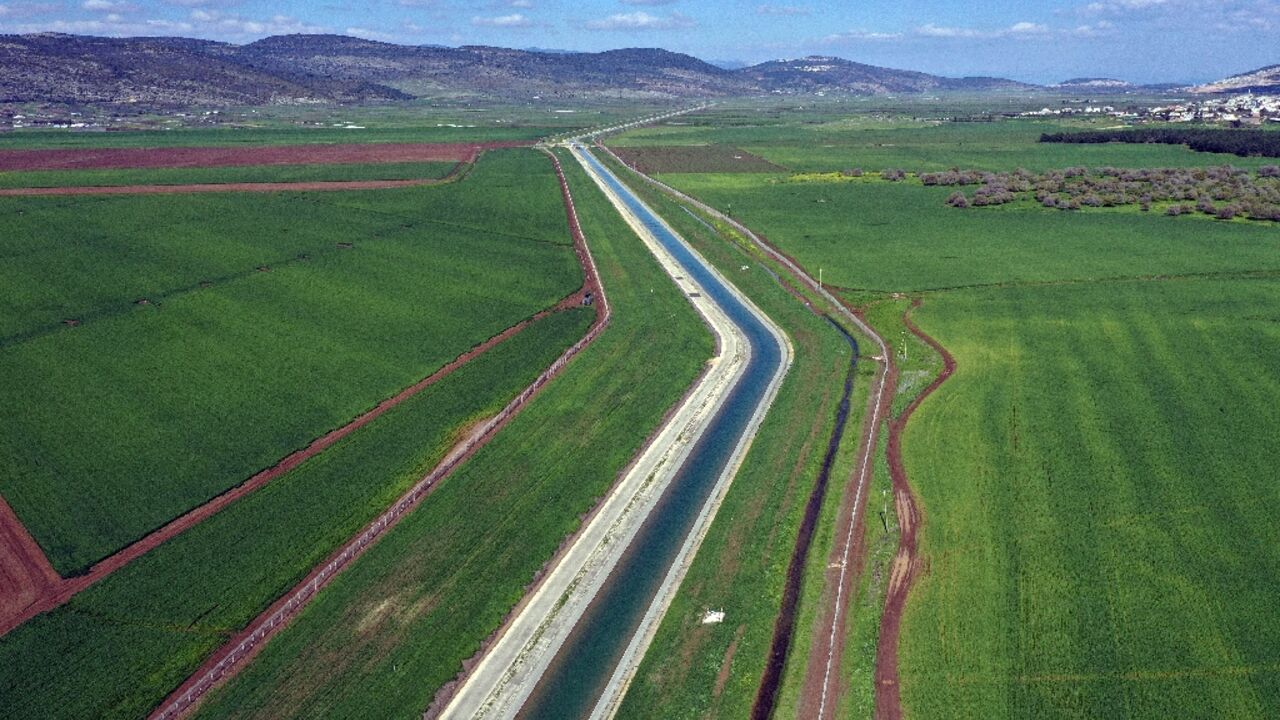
(243, 155)
(906, 563)
(224, 663)
(821, 684)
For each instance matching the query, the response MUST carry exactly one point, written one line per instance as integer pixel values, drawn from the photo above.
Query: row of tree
(1245, 143)
(1225, 192)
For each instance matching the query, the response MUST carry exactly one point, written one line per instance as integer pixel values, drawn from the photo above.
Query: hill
(167, 72)
(1265, 79)
(832, 74)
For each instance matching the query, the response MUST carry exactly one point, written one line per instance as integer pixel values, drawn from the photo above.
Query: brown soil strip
(244, 156)
(260, 187)
(27, 596)
(224, 663)
(906, 563)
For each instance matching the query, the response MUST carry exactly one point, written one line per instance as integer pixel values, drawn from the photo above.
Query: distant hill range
(75, 69)
(1262, 80)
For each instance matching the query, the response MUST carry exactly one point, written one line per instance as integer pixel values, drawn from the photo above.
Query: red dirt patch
(25, 573)
(695, 159)
(906, 563)
(241, 156)
(318, 186)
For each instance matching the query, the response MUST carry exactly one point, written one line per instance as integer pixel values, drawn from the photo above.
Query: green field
(139, 413)
(400, 622)
(1105, 538)
(151, 623)
(840, 142)
(219, 175)
(1096, 478)
(882, 237)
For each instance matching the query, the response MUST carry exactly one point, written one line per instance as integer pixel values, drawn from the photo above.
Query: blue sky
(1046, 41)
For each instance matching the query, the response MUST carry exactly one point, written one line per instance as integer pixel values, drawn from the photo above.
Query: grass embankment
(1095, 478)
(695, 670)
(221, 175)
(117, 649)
(121, 423)
(387, 634)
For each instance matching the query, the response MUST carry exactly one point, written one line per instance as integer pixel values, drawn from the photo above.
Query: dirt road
(906, 563)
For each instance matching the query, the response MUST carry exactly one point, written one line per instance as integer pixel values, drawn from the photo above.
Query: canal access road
(573, 647)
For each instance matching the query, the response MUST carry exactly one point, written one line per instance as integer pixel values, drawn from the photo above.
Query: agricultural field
(153, 622)
(917, 145)
(184, 332)
(1095, 478)
(246, 174)
(397, 626)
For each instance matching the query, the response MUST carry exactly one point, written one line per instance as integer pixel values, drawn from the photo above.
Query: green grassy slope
(138, 414)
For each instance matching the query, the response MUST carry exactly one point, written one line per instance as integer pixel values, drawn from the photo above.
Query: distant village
(1237, 110)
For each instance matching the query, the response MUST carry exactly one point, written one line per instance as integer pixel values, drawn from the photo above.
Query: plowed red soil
(317, 186)
(192, 157)
(906, 563)
(25, 573)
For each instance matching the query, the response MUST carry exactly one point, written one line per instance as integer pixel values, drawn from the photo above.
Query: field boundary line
(224, 663)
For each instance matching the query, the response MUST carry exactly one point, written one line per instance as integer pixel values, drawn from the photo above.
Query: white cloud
(115, 6)
(370, 34)
(514, 20)
(220, 24)
(782, 10)
(860, 35)
(1021, 29)
(521, 4)
(641, 20)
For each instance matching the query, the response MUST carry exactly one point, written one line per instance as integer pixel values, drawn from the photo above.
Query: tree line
(1245, 143)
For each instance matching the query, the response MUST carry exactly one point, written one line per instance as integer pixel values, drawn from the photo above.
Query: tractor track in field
(259, 187)
(906, 563)
(224, 663)
(31, 586)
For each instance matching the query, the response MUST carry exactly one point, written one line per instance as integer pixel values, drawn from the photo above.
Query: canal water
(581, 669)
